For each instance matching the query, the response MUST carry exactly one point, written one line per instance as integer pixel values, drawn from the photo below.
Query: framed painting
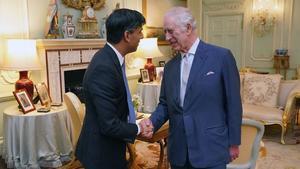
(43, 93)
(154, 11)
(159, 73)
(152, 30)
(24, 101)
(162, 63)
(145, 75)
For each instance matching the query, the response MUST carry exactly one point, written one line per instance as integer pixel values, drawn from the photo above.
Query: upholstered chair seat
(266, 114)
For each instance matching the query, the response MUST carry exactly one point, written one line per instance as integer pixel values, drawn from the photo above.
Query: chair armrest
(290, 106)
(81, 112)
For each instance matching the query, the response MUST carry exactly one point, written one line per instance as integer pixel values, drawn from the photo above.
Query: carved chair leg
(161, 155)
(132, 155)
(283, 132)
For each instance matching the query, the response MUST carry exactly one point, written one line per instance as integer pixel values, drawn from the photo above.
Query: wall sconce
(21, 55)
(264, 16)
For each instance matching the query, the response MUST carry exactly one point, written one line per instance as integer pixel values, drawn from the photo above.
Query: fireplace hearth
(73, 82)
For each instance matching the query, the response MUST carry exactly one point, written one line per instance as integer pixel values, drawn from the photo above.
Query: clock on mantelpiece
(88, 24)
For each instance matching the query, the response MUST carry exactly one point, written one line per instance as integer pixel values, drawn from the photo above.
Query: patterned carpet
(148, 155)
(280, 156)
(275, 156)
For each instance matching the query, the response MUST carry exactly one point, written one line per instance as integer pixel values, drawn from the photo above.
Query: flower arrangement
(137, 102)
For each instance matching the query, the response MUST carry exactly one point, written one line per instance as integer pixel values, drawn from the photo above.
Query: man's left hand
(234, 152)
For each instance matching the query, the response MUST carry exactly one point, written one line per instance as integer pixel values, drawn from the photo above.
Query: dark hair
(122, 20)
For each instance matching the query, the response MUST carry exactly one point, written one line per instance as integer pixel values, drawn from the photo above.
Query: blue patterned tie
(131, 118)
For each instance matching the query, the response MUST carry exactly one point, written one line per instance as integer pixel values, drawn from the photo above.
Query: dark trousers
(188, 165)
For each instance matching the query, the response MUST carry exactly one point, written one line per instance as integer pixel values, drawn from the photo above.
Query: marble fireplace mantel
(60, 55)
(70, 43)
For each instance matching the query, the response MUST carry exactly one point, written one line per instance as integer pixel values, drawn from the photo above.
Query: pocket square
(210, 73)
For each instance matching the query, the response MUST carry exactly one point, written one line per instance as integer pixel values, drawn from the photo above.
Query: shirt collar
(120, 57)
(193, 49)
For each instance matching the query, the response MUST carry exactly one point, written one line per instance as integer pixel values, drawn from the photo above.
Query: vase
(103, 28)
(68, 28)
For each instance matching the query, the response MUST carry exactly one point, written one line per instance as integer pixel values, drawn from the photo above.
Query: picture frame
(145, 75)
(43, 93)
(153, 30)
(156, 32)
(161, 63)
(159, 73)
(24, 101)
(154, 25)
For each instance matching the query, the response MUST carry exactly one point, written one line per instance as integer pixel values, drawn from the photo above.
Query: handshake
(146, 128)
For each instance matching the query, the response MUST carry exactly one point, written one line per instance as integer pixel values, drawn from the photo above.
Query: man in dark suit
(109, 122)
(200, 96)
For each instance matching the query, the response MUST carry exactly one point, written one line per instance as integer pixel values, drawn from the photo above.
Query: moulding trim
(6, 98)
(224, 6)
(70, 43)
(9, 77)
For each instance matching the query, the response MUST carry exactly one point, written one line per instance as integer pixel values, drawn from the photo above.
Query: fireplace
(65, 62)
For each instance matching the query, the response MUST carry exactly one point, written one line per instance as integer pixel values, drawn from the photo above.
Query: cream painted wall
(258, 51)
(35, 12)
(154, 19)
(26, 19)
(294, 49)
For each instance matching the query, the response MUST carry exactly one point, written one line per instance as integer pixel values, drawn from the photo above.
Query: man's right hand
(146, 128)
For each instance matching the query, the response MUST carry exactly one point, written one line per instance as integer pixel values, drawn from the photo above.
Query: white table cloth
(35, 139)
(149, 93)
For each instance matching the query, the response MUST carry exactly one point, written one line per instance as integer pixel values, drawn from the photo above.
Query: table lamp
(148, 49)
(21, 55)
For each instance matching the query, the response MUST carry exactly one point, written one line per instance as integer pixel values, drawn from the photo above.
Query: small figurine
(52, 28)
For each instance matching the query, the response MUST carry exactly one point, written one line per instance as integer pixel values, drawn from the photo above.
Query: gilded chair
(79, 107)
(252, 133)
(76, 111)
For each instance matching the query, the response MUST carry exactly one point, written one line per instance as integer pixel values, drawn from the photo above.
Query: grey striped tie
(184, 78)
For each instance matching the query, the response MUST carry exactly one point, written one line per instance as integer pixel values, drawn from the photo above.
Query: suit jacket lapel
(177, 79)
(197, 65)
(114, 58)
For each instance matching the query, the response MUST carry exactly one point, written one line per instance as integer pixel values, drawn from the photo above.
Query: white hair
(182, 17)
